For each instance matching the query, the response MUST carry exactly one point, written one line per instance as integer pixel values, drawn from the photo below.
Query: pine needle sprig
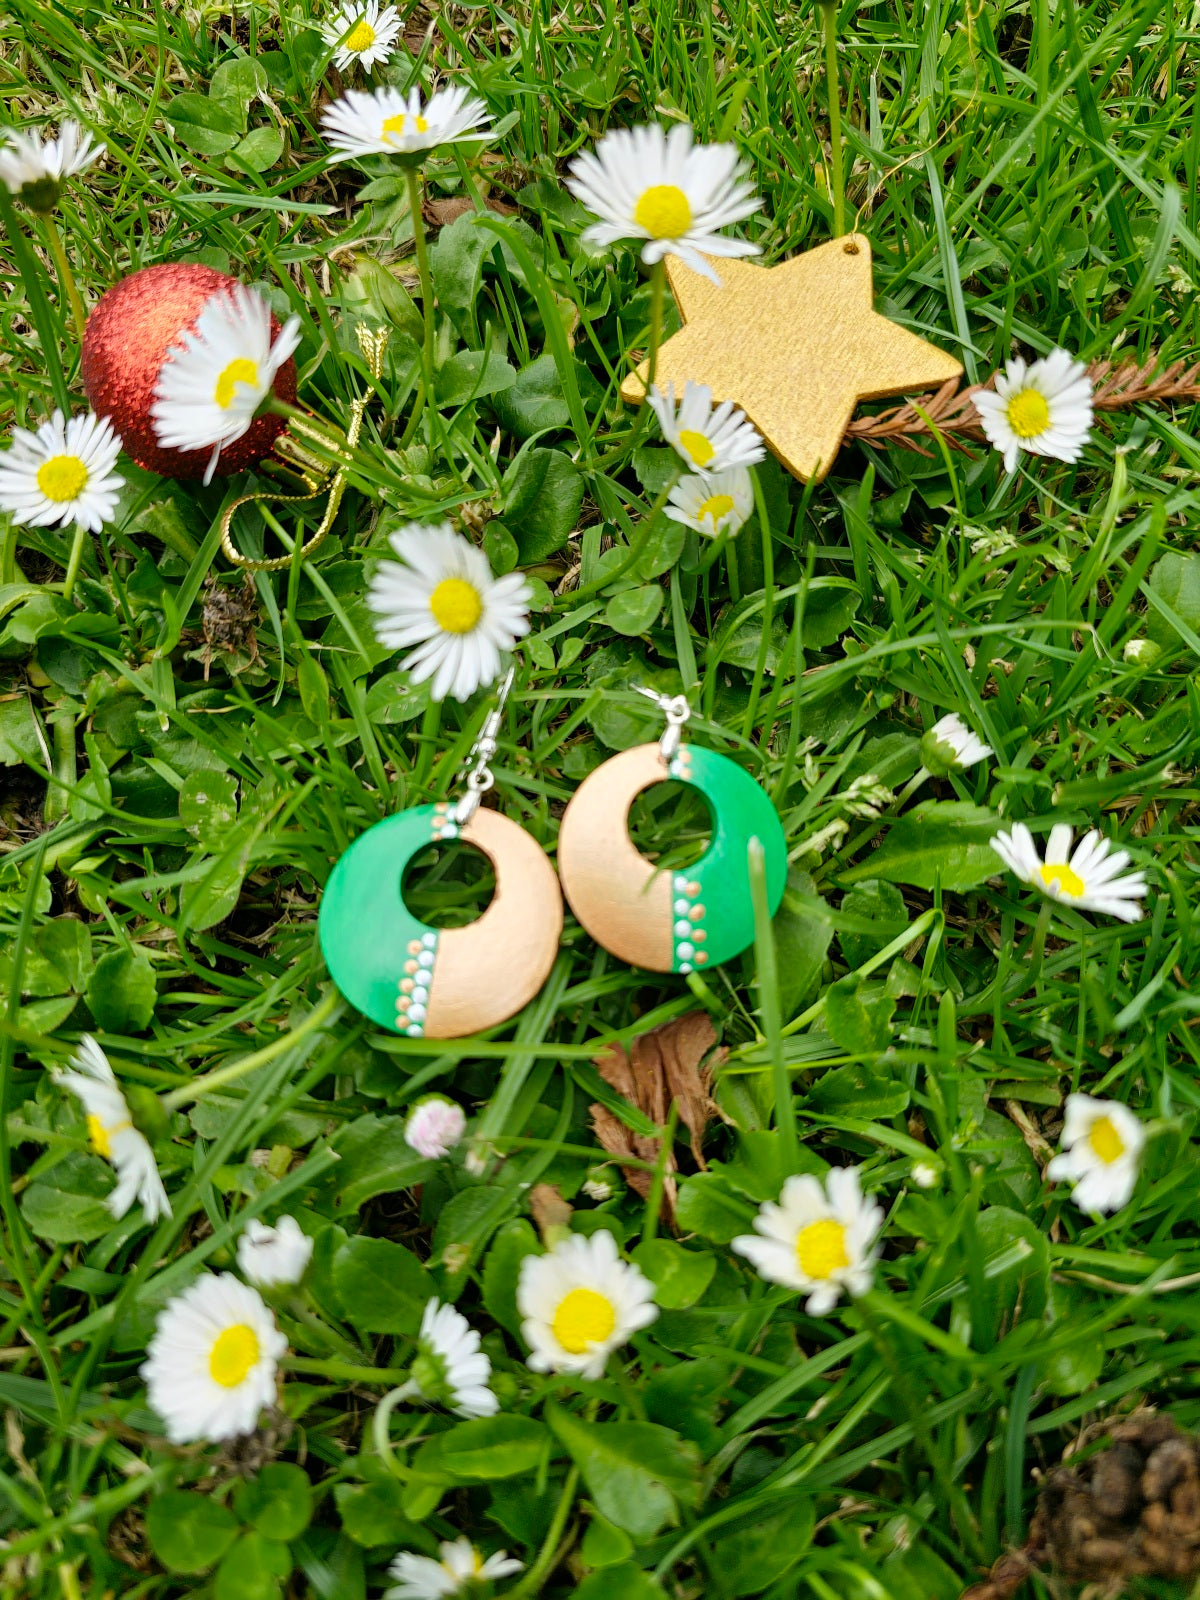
(951, 411)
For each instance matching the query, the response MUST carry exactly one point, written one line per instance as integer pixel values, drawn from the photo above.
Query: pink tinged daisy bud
(434, 1127)
(271, 1257)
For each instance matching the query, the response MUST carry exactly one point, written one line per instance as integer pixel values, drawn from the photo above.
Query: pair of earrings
(446, 983)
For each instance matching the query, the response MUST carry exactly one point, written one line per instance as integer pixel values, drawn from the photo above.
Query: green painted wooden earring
(669, 922)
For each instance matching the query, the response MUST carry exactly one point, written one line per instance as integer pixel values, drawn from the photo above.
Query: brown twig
(951, 411)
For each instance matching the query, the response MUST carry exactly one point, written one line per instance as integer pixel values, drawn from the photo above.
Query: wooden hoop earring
(440, 983)
(668, 922)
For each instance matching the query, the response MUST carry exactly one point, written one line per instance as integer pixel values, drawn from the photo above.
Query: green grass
(1024, 173)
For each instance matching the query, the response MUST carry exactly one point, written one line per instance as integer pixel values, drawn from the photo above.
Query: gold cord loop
(312, 471)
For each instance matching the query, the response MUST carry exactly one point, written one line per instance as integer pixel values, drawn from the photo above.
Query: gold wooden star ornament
(796, 346)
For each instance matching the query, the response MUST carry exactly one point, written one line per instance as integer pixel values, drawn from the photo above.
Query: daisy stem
(768, 611)
(412, 178)
(344, 1370)
(531, 1583)
(381, 1425)
(658, 280)
(74, 560)
(65, 276)
(8, 554)
(636, 549)
(770, 1015)
(837, 182)
(431, 724)
(220, 1076)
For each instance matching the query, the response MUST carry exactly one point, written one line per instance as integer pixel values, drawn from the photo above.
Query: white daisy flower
(713, 504)
(1102, 1149)
(213, 1360)
(817, 1239)
(450, 1369)
(708, 440)
(646, 184)
(214, 381)
(950, 746)
(389, 122)
(1091, 879)
(62, 473)
(461, 1568)
(35, 171)
(434, 1127)
(1044, 407)
(362, 33)
(270, 1256)
(113, 1135)
(579, 1302)
(445, 601)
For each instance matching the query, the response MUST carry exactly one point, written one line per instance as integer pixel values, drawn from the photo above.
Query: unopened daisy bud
(450, 1369)
(274, 1256)
(950, 746)
(598, 1184)
(924, 1174)
(1141, 652)
(434, 1127)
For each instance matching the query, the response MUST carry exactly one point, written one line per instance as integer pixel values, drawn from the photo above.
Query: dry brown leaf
(549, 1208)
(438, 213)
(671, 1063)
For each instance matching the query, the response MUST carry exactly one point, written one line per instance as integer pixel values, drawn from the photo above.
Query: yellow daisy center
(456, 605)
(233, 1354)
(1069, 882)
(583, 1318)
(664, 212)
(1028, 414)
(99, 1136)
(62, 478)
(243, 370)
(397, 123)
(821, 1249)
(361, 37)
(716, 507)
(1106, 1141)
(698, 445)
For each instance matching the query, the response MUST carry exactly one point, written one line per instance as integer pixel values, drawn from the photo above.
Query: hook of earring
(676, 710)
(480, 777)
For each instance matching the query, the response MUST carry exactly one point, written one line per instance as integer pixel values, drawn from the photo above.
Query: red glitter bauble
(126, 342)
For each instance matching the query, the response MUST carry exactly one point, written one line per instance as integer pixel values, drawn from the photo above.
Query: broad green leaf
(373, 1514)
(603, 1544)
(189, 1532)
(856, 1090)
(534, 402)
(208, 806)
(278, 1502)
(259, 150)
(19, 740)
(752, 1555)
(382, 1286)
(543, 497)
(859, 1015)
(121, 991)
(472, 374)
(829, 609)
(210, 126)
(625, 1582)
(876, 902)
(67, 1205)
(375, 1159)
(486, 1448)
(512, 1244)
(210, 898)
(1175, 579)
(241, 79)
(940, 841)
(253, 1569)
(803, 932)
(705, 1206)
(679, 1276)
(376, 293)
(634, 611)
(1018, 1246)
(634, 1471)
